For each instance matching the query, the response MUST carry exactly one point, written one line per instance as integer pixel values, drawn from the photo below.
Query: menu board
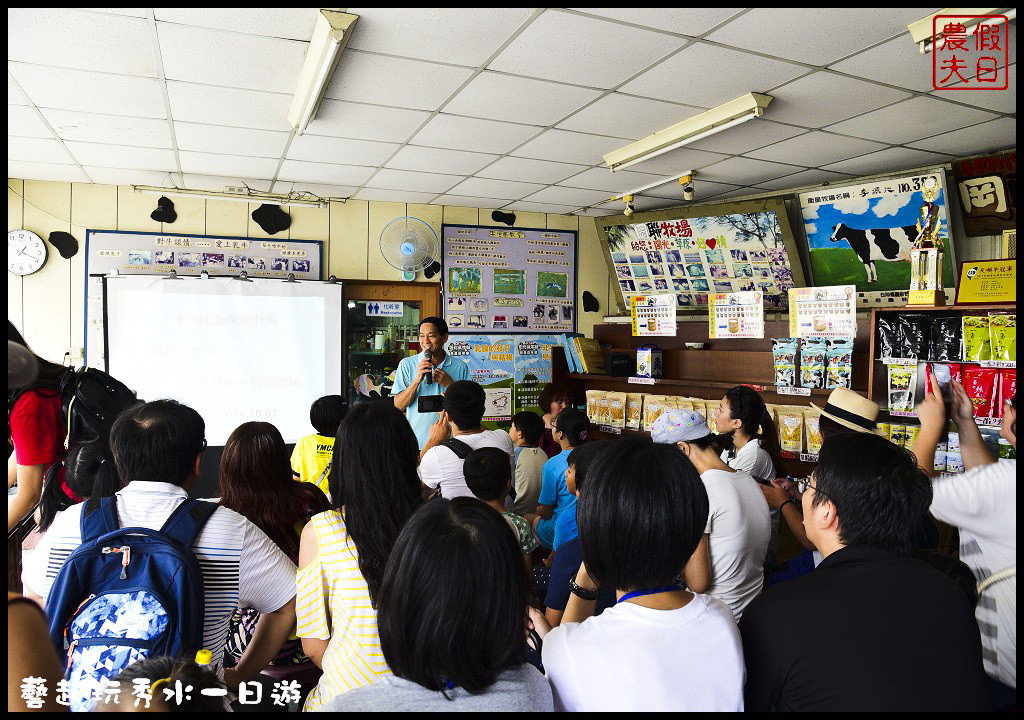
(736, 315)
(823, 312)
(513, 281)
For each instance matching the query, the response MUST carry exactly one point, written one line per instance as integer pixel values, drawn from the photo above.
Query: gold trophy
(926, 254)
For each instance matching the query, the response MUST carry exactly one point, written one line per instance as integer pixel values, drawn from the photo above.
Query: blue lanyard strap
(648, 591)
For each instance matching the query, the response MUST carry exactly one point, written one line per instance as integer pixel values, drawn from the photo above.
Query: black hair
(550, 393)
(641, 514)
(373, 477)
(326, 414)
(581, 458)
(747, 406)
(877, 488)
(439, 324)
(711, 441)
(157, 442)
(830, 428)
(452, 606)
(189, 672)
(49, 373)
(574, 424)
(88, 472)
(464, 402)
(488, 473)
(530, 424)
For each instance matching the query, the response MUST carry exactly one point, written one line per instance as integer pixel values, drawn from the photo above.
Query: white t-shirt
(982, 503)
(632, 658)
(755, 461)
(739, 528)
(241, 566)
(441, 466)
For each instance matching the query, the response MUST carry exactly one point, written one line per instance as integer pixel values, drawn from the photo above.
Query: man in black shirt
(871, 629)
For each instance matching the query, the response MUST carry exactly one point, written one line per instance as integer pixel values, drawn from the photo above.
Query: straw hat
(850, 410)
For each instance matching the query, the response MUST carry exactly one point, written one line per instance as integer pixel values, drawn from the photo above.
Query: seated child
(527, 427)
(571, 430)
(311, 458)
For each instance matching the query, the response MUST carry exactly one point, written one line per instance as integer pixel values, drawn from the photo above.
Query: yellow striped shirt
(333, 603)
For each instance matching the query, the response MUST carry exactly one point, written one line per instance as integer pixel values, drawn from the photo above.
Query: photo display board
(862, 235)
(508, 280)
(697, 257)
(139, 253)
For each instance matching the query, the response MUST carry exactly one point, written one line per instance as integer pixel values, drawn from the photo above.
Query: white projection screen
(233, 350)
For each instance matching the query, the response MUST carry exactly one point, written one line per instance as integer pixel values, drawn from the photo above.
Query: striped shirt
(333, 603)
(241, 566)
(982, 503)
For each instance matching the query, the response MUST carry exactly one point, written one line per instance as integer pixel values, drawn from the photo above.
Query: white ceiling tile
(40, 150)
(685, 21)
(485, 187)
(339, 150)
(643, 203)
(85, 41)
(818, 36)
(526, 170)
(994, 135)
(394, 81)
(44, 171)
(290, 23)
(121, 156)
(337, 191)
(629, 117)
(215, 57)
(218, 184)
(570, 147)
(14, 95)
(228, 106)
(536, 102)
(465, 201)
(816, 148)
(112, 129)
(702, 188)
(230, 140)
(891, 160)
(910, 120)
(678, 160)
(394, 196)
(23, 121)
(802, 179)
(568, 196)
(744, 171)
(364, 122)
(324, 173)
(896, 62)
(425, 159)
(740, 193)
(429, 33)
(823, 98)
(685, 76)
(597, 212)
(748, 136)
(474, 134)
(228, 165)
(583, 51)
(50, 87)
(1004, 101)
(130, 12)
(120, 176)
(435, 183)
(601, 178)
(549, 208)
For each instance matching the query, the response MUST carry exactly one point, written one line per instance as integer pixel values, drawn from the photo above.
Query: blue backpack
(126, 594)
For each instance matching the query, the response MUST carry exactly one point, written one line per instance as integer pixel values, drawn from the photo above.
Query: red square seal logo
(970, 52)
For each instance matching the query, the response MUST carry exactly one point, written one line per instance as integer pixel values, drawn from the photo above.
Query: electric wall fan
(408, 244)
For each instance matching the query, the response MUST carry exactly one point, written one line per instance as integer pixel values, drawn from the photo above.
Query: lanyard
(648, 591)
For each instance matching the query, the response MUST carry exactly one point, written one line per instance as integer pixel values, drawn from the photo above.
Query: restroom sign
(375, 308)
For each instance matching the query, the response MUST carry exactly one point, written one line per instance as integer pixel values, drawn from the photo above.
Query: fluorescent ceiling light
(654, 184)
(723, 117)
(330, 36)
(304, 200)
(921, 31)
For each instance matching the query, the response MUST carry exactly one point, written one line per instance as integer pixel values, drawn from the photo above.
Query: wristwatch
(580, 592)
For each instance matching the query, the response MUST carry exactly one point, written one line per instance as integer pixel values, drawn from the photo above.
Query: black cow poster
(862, 235)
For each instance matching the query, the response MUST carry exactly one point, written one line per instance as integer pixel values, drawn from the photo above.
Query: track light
(686, 182)
(630, 208)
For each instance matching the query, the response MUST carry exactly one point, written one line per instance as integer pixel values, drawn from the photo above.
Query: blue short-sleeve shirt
(421, 422)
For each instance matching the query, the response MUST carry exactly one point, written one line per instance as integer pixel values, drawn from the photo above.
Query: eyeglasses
(802, 485)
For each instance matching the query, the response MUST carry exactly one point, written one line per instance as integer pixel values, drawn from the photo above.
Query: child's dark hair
(88, 472)
(326, 414)
(530, 425)
(711, 441)
(169, 669)
(464, 402)
(488, 473)
(582, 457)
(747, 406)
(574, 424)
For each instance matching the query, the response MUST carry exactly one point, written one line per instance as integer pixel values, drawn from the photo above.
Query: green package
(977, 342)
(1003, 334)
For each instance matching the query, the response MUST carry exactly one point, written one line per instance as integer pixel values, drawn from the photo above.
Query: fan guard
(408, 244)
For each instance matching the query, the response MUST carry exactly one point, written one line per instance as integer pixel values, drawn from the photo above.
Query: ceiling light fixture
(330, 36)
(923, 31)
(637, 191)
(725, 116)
(304, 199)
(630, 208)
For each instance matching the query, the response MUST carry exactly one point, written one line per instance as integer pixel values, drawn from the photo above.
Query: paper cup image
(820, 324)
(734, 325)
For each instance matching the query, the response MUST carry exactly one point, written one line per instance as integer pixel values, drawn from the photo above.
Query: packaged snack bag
(947, 338)
(884, 429)
(812, 363)
(634, 410)
(980, 384)
(791, 429)
(1007, 388)
(953, 442)
(1003, 334)
(813, 440)
(709, 411)
(912, 432)
(670, 402)
(940, 461)
(890, 342)
(617, 409)
(898, 434)
(954, 462)
(593, 396)
(686, 405)
(955, 374)
(902, 383)
(603, 413)
(916, 333)
(977, 341)
(840, 362)
(784, 353)
(652, 410)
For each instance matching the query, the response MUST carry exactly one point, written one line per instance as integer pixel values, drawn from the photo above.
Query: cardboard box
(648, 362)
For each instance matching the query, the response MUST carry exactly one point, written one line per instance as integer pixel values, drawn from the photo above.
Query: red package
(1007, 388)
(980, 384)
(954, 372)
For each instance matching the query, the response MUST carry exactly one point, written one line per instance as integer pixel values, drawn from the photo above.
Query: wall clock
(26, 252)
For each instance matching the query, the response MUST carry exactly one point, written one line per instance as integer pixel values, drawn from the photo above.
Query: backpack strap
(324, 473)
(1004, 574)
(99, 517)
(461, 449)
(187, 520)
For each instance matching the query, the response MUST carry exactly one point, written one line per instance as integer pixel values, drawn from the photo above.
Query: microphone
(428, 378)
